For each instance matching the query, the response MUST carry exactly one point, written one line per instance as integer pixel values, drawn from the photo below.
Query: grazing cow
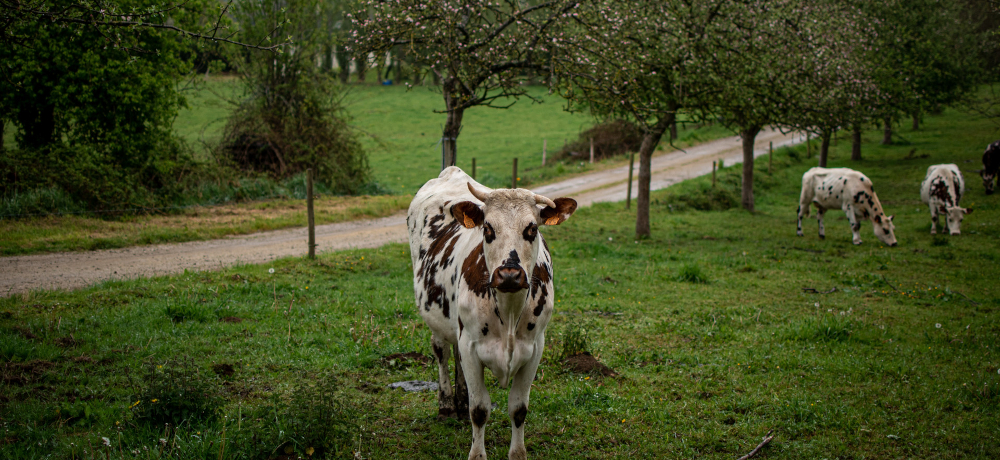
(991, 166)
(849, 190)
(941, 190)
(482, 277)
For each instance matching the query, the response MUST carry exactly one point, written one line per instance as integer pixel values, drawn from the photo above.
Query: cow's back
(944, 183)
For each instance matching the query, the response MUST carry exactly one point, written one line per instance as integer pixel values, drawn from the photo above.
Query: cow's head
(509, 219)
(883, 227)
(953, 217)
(987, 180)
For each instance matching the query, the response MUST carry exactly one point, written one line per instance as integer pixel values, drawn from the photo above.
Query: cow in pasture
(991, 166)
(941, 190)
(482, 277)
(850, 191)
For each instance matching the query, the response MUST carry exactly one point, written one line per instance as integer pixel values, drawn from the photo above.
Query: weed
(176, 391)
(574, 339)
(692, 273)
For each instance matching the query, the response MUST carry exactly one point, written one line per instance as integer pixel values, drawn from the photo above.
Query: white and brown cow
(991, 166)
(849, 190)
(941, 190)
(482, 276)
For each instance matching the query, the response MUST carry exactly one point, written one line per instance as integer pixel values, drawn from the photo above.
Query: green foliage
(187, 311)
(176, 391)
(574, 339)
(691, 273)
(319, 415)
(291, 117)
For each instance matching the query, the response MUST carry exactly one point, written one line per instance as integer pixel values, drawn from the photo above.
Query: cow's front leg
(934, 220)
(446, 401)
(517, 402)
(855, 225)
(820, 212)
(479, 401)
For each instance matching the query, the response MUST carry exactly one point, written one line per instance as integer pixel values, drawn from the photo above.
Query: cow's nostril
(893, 245)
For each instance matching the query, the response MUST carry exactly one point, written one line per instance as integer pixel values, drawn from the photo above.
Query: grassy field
(401, 132)
(709, 326)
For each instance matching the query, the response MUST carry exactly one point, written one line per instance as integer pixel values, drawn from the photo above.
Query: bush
(574, 339)
(612, 138)
(176, 391)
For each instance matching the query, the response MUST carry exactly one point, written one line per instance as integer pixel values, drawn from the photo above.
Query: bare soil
(584, 363)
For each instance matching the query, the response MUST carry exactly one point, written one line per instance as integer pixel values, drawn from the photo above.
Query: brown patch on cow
(474, 272)
(479, 416)
(519, 415)
(540, 278)
(406, 359)
(584, 363)
(23, 373)
(231, 319)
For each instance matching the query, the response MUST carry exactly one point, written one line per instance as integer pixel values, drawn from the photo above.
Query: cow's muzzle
(509, 279)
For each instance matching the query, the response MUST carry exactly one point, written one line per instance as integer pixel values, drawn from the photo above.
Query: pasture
(723, 326)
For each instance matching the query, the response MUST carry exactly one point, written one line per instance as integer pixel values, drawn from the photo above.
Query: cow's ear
(468, 214)
(890, 218)
(565, 207)
(967, 211)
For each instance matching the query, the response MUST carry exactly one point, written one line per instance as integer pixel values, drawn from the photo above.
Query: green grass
(707, 324)
(401, 132)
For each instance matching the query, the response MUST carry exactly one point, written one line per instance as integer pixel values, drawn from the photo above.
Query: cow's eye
(488, 234)
(530, 232)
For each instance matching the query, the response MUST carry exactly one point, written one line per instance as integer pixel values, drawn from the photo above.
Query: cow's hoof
(857, 243)
(799, 233)
(933, 232)
(822, 237)
(518, 453)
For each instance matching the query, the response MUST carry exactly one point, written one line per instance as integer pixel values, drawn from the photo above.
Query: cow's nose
(509, 279)
(956, 233)
(893, 245)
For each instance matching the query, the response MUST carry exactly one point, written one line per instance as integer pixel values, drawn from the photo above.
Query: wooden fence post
(545, 143)
(310, 214)
(592, 150)
(628, 195)
(473, 168)
(513, 175)
(770, 156)
(713, 174)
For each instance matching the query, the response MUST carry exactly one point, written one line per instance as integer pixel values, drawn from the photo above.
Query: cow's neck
(509, 307)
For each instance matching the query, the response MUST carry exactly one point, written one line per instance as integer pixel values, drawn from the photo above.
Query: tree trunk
(749, 135)
(327, 58)
(673, 129)
(856, 142)
(452, 126)
(887, 131)
(916, 120)
(649, 142)
(824, 147)
(361, 67)
(39, 125)
(344, 61)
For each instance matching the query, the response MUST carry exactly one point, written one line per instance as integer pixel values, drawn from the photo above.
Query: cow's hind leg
(446, 401)
(517, 404)
(798, 230)
(461, 388)
(934, 220)
(855, 225)
(820, 212)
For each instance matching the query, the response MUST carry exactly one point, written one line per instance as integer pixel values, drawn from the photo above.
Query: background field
(706, 324)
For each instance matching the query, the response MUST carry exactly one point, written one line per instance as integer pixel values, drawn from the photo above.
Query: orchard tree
(642, 61)
(477, 49)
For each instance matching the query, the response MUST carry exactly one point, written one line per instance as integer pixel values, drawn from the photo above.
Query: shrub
(612, 138)
(574, 339)
(176, 391)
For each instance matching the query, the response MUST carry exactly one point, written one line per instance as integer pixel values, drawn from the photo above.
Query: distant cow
(991, 166)
(482, 277)
(941, 190)
(849, 190)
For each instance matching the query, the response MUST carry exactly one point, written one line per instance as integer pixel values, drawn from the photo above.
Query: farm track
(73, 270)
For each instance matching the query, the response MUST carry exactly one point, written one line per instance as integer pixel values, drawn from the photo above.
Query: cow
(991, 166)
(483, 282)
(852, 192)
(941, 190)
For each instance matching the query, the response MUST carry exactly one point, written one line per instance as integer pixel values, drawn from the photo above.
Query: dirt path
(78, 269)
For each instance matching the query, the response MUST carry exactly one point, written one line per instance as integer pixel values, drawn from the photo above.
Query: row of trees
(809, 65)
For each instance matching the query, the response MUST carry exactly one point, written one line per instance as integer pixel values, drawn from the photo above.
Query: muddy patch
(404, 360)
(23, 373)
(585, 363)
(223, 369)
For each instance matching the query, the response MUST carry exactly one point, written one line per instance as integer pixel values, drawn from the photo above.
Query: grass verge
(712, 328)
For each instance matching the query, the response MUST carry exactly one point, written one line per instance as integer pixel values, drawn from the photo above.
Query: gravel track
(72, 270)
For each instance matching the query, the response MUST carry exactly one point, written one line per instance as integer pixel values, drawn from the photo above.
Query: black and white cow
(941, 190)
(991, 166)
(849, 190)
(482, 277)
